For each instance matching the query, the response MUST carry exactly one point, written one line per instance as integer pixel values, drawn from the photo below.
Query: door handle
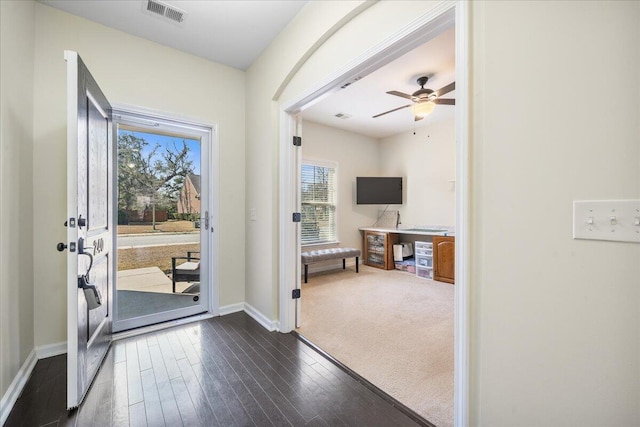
(205, 218)
(81, 251)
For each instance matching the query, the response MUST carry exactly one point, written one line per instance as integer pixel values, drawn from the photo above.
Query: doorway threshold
(159, 326)
(368, 384)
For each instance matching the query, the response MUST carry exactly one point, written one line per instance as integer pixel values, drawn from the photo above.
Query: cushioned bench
(326, 254)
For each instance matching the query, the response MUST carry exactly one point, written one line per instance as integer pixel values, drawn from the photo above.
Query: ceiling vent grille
(165, 11)
(343, 116)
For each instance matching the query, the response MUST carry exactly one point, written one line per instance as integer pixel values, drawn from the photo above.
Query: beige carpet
(391, 327)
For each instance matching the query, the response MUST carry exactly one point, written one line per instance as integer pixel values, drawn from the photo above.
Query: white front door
(89, 228)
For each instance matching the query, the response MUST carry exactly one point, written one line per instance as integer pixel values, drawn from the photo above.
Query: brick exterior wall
(189, 201)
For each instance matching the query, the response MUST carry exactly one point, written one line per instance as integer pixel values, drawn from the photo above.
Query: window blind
(318, 199)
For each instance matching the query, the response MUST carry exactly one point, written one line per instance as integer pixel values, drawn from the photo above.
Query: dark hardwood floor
(225, 371)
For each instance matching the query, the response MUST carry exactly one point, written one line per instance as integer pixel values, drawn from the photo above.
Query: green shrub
(123, 217)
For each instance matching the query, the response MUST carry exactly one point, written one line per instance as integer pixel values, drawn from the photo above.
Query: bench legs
(344, 266)
(173, 275)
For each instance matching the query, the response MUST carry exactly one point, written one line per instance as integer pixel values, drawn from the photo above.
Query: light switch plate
(613, 220)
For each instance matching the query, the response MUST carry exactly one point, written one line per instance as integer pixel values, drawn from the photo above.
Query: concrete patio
(149, 279)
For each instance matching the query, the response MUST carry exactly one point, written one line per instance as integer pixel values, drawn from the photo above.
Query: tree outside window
(150, 176)
(318, 194)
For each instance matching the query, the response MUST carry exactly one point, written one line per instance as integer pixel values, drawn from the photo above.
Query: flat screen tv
(378, 190)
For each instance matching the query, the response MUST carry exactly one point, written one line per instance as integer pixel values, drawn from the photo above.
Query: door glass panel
(98, 177)
(159, 211)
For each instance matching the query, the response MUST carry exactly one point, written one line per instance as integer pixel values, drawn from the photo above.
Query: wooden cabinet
(444, 253)
(378, 249)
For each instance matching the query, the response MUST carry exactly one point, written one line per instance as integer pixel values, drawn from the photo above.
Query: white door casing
(443, 15)
(159, 122)
(89, 230)
(418, 32)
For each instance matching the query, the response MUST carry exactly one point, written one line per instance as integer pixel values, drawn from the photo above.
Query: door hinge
(297, 141)
(295, 294)
(297, 217)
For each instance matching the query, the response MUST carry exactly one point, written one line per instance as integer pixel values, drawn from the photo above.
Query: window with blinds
(318, 202)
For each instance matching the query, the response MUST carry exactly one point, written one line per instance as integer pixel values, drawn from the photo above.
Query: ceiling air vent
(349, 83)
(343, 116)
(166, 11)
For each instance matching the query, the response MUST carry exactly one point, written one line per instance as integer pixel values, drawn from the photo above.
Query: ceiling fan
(423, 99)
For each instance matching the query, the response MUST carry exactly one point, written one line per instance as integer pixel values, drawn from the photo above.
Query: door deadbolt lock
(61, 247)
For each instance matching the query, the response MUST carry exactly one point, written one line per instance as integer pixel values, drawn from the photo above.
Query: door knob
(61, 247)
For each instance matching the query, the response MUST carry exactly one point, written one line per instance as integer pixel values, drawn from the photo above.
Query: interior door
(89, 230)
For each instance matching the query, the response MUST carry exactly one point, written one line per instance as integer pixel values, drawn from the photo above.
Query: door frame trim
(212, 153)
(409, 37)
(71, 59)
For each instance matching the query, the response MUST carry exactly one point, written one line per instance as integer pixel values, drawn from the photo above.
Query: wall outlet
(252, 214)
(613, 220)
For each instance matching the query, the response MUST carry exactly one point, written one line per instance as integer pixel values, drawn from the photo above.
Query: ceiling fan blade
(444, 101)
(400, 94)
(391, 111)
(448, 88)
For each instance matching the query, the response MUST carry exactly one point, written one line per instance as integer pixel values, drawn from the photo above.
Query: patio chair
(188, 271)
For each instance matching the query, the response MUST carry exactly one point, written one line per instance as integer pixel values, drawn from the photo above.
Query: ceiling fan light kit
(424, 100)
(423, 109)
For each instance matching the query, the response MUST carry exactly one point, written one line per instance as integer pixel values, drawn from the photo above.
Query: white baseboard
(15, 388)
(268, 324)
(231, 308)
(50, 350)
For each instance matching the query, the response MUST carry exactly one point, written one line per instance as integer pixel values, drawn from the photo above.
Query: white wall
(427, 161)
(131, 71)
(17, 23)
(263, 80)
(555, 321)
(355, 155)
